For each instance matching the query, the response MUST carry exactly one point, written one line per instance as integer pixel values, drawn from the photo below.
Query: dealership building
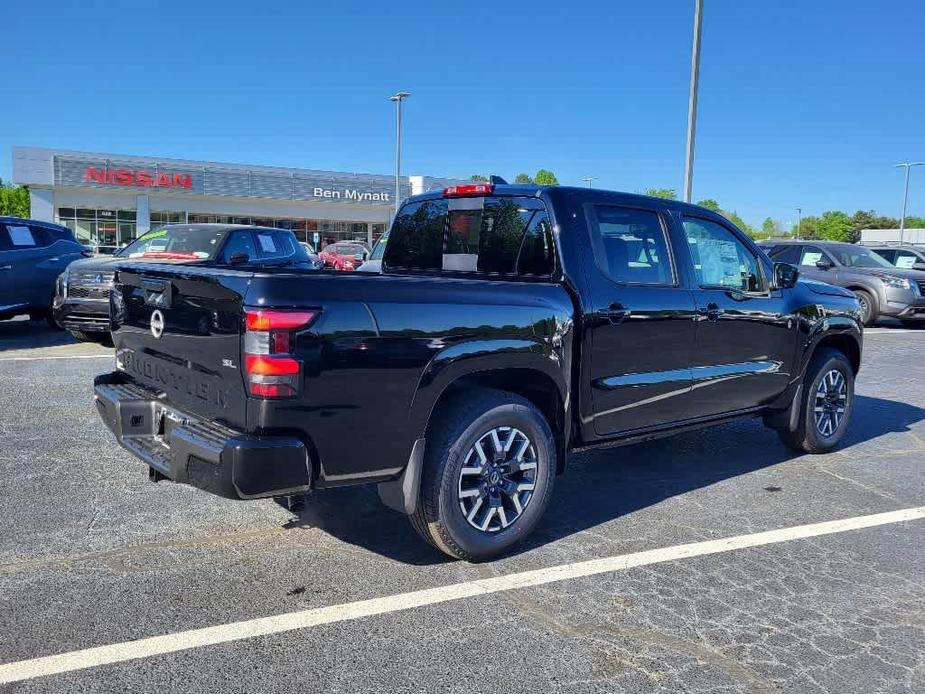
(110, 199)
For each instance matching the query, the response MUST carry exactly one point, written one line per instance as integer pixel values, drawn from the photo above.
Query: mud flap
(401, 494)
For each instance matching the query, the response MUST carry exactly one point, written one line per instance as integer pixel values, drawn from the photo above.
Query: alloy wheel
(497, 479)
(865, 308)
(831, 401)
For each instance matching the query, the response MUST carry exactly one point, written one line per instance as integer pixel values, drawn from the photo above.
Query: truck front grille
(92, 278)
(97, 292)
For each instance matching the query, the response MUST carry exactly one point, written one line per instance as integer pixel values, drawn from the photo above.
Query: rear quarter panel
(384, 349)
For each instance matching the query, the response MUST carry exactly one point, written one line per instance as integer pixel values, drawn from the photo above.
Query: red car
(344, 256)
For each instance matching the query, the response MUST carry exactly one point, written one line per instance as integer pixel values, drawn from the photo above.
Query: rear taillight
(468, 190)
(269, 367)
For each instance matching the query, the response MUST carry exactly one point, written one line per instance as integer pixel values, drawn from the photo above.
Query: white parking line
(73, 356)
(892, 331)
(263, 626)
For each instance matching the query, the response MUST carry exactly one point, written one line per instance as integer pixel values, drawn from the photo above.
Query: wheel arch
(531, 379)
(845, 341)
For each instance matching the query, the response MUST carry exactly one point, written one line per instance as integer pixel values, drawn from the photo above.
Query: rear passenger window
(630, 246)
(21, 236)
(509, 236)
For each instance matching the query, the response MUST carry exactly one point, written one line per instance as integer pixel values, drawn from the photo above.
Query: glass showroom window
(161, 218)
(99, 228)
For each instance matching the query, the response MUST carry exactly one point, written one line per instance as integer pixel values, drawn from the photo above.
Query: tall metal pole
(398, 97)
(799, 222)
(902, 220)
(588, 179)
(692, 102)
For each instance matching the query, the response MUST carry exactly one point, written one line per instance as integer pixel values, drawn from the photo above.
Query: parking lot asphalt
(92, 554)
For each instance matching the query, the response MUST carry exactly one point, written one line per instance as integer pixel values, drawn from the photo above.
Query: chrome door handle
(615, 313)
(6, 267)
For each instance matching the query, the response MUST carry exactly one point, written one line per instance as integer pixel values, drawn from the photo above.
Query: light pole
(588, 180)
(398, 97)
(692, 102)
(902, 220)
(799, 222)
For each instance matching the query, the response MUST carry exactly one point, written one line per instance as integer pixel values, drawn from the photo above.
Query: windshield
(345, 249)
(855, 256)
(176, 243)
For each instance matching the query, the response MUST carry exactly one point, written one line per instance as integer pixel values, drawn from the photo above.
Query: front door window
(721, 260)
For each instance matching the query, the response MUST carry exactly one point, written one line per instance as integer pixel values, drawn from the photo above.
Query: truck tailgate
(177, 329)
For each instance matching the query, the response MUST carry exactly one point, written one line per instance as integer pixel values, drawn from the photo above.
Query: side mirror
(786, 275)
(824, 264)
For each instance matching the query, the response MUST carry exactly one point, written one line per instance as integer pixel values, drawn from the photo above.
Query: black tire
(809, 438)
(870, 309)
(465, 420)
(104, 339)
(81, 336)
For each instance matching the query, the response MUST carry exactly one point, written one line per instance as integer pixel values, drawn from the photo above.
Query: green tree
(544, 177)
(863, 219)
(710, 204)
(835, 225)
(915, 222)
(768, 227)
(739, 222)
(478, 178)
(666, 193)
(808, 228)
(523, 178)
(14, 200)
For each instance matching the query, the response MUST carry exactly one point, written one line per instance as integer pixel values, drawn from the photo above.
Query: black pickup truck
(510, 326)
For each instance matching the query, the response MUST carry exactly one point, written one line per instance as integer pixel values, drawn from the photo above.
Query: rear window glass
(176, 243)
(484, 235)
(345, 249)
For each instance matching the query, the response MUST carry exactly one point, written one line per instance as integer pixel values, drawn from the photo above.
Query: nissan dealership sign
(138, 178)
(232, 182)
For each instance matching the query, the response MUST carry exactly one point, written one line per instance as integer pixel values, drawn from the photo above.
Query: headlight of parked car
(61, 285)
(897, 282)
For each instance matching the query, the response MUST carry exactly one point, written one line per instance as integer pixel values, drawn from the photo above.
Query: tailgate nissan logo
(157, 323)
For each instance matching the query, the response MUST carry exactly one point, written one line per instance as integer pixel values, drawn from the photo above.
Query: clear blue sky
(802, 103)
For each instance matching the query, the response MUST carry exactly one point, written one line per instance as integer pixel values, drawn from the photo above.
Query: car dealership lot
(91, 554)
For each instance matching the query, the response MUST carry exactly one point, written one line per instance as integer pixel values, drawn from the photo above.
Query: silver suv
(881, 288)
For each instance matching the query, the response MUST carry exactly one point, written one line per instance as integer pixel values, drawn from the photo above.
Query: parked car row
(46, 273)
(884, 279)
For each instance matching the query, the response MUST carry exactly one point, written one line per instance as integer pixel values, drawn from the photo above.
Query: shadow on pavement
(602, 485)
(20, 333)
